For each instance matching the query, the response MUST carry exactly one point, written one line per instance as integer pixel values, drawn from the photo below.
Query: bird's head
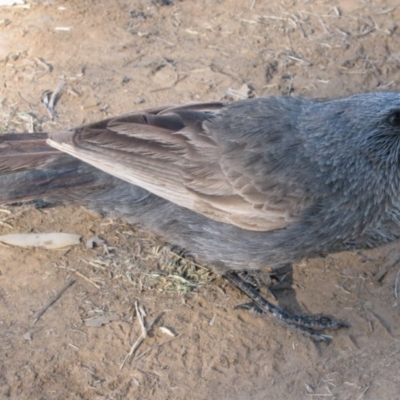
(366, 125)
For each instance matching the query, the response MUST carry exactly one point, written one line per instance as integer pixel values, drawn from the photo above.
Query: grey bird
(259, 183)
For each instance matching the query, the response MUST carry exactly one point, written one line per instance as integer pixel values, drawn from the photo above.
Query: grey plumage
(254, 184)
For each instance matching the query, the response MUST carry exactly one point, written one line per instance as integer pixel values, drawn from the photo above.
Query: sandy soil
(116, 56)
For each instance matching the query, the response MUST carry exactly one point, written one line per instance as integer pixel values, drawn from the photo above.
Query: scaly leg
(308, 325)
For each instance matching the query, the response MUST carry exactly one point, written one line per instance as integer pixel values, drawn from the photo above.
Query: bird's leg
(255, 282)
(308, 325)
(271, 281)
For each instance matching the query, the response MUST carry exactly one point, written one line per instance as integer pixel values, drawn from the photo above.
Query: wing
(217, 159)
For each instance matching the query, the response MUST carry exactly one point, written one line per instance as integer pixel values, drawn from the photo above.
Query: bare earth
(117, 56)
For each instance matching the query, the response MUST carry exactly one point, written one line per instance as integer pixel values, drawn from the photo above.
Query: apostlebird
(255, 184)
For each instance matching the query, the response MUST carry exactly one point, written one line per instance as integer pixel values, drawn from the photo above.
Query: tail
(31, 170)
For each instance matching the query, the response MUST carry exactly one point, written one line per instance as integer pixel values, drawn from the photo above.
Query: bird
(245, 186)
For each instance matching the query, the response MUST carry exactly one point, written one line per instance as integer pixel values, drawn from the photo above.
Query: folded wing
(187, 155)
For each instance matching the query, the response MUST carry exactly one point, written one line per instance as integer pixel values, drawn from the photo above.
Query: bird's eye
(394, 119)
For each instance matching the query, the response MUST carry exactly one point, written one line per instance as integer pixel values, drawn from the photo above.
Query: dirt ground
(116, 56)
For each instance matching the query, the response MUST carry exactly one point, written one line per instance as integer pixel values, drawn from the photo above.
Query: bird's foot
(308, 325)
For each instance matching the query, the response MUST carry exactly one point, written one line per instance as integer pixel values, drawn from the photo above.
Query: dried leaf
(105, 319)
(52, 240)
(167, 331)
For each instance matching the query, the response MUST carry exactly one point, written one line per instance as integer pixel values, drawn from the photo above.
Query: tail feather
(31, 170)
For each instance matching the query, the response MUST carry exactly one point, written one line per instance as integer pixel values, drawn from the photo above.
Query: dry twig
(142, 336)
(53, 300)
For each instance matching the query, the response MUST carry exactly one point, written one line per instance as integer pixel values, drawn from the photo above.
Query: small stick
(87, 279)
(53, 300)
(362, 394)
(141, 321)
(138, 341)
(49, 99)
(153, 347)
(55, 96)
(170, 86)
(385, 267)
(90, 106)
(44, 64)
(80, 275)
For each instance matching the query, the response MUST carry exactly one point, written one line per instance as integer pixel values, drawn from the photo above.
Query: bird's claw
(308, 325)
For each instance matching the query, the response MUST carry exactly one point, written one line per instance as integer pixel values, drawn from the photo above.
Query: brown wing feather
(167, 152)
